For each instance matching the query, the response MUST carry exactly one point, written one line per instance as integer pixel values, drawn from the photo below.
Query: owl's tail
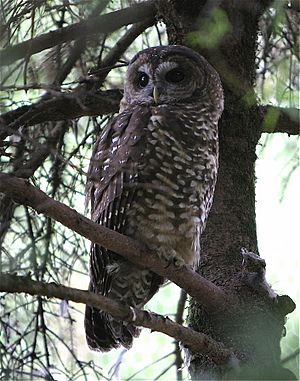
(130, 285)
(104, 333)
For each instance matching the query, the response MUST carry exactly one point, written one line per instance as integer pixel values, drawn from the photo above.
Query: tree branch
(80, 102)
(280, 119)
(179, 319)
(116, 52)
(61, 107)
(78, 47)
(204, 291)
(197, 342)
(92, 103)
(111, 58)
(99, 24)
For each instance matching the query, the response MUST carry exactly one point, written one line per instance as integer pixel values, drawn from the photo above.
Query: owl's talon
(178, 263)
(172, 258)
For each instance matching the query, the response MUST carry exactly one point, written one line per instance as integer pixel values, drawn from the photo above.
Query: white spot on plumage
(156, 120)
(193, 198)
(190, 172)
(164, 199)
(155, 135)
(180, 159)
(167, 181)
(178, 166)
(166, 170)
(153, 161)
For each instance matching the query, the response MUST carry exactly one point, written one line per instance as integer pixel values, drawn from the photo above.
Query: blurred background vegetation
(44, 339)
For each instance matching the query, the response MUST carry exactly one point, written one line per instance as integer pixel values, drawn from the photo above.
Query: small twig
(180, 307)
(78, 47)
(163, 372)
(290, 357)
(26, 170)
(179, 319)
(149, 365)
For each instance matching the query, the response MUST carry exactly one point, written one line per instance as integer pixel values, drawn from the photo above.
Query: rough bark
(254, 327)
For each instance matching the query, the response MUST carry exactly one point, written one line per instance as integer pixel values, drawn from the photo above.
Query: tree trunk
(253, 326)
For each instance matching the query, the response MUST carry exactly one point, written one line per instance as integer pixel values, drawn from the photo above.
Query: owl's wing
(115, 165)
(114, 168)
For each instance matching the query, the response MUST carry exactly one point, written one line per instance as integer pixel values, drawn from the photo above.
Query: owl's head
(170, 75)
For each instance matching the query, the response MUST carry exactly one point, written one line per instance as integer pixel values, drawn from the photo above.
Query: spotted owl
(152, 177)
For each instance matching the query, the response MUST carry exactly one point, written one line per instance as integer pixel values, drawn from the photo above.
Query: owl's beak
(155, 94)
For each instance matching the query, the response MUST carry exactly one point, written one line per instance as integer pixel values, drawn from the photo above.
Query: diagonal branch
(61, 107)
(204, 291)
(116, 52)
(99, 24)
(197, 342)
(112, 57)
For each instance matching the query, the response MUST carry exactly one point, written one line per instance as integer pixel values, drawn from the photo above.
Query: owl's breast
(175, 184)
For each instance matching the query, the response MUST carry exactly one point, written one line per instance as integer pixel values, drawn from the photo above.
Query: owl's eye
(143, 79)
(175, 76)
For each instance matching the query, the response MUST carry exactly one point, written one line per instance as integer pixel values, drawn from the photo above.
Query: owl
(152, 177)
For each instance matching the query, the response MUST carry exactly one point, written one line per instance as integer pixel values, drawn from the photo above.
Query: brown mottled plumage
(152, 177)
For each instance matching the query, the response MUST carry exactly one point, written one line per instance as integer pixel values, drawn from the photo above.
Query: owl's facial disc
(172, 80)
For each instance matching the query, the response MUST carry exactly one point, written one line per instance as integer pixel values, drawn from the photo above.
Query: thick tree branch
(61, 107)
(92, 103)
(205, 292)
(99, 24)
(280, 119)
(197, 342)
